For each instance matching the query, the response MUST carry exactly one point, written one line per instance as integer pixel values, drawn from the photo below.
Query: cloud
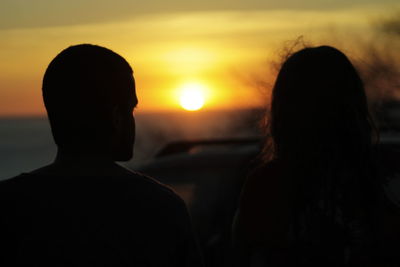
(47, 13)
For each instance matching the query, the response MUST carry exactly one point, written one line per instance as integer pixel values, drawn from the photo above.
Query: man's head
(89, 94)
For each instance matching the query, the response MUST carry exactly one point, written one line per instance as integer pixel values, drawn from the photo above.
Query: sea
(26, 143)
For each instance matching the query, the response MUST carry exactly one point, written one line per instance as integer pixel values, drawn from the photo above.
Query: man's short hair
(81, 87)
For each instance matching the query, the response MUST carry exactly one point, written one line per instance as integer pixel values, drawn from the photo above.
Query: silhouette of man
(84, 209)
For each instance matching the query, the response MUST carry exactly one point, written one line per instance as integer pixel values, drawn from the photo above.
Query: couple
(313, 202)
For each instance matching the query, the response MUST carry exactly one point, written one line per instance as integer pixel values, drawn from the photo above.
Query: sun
(192, 97)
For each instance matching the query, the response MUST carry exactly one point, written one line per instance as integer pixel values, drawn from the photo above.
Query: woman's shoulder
(265, 206)
(266, 177)
(267, 187)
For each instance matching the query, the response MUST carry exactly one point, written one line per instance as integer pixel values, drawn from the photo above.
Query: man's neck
(79, 157)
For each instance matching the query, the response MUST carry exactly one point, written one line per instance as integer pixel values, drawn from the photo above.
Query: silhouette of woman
(311, 201)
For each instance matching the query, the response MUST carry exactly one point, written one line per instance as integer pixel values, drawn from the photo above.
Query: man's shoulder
(13, 188)
(151, 197)
(12, 181)
(128, 183)
(150, 185)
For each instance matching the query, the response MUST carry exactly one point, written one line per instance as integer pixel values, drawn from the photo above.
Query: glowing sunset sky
(168, 43)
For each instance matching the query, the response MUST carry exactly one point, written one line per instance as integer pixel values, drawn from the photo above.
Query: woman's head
(319, 107)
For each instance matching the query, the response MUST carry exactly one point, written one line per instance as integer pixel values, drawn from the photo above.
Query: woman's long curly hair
(319, 126)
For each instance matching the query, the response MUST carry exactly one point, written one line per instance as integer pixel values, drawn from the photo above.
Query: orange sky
(221, 48)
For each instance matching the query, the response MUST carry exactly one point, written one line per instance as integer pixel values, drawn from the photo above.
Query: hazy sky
(41, 13)
(169, 43)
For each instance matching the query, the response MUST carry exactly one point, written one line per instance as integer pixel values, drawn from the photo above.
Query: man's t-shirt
(127, 220)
